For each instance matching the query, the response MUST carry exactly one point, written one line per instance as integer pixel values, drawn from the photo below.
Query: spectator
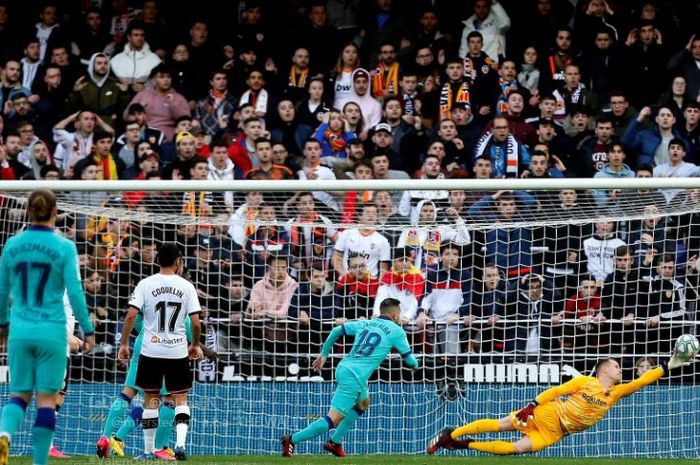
(447, 298)
(509, 157)
(690, 130)
(133, 66)
(675, 167)
(242, 150)
(363, 240)
(72, 147)
(126, 151)
(340, 83)
(358, 287)
(600, 250)
(105, 94)
(162, 103)
(509, 248)
(297, 85)
(425, 238)
(154, 136)
(651, 145)
(311, 235)
(685, 63)
(313, 170)
(405, 283)
(492, 21)
(91, 37)
(315, 304)
(573, 92)
(108, 169)
(268, 238)
(645, 59)
(486, 301)
(411, 200)
(333, 133)
(371, 108)
(589, 333)
(594, 149)
(270, 299)
(664, 298)
(217, 105)
(531, 304)
(620, 300)
(614, 168)
(386, 23)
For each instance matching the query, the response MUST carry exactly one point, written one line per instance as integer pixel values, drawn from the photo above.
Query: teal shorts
(36, 366)
(130, 381)
(349, 391)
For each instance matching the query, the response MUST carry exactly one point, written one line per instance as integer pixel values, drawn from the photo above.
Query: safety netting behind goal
(503, 294)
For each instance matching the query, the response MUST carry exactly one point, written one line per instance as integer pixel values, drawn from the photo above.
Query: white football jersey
(374, 247)
(165, 301)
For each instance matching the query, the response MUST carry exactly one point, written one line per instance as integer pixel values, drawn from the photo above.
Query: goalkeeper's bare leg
(448, 438)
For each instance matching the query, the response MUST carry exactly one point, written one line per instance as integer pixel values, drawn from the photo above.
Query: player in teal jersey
(37, 267)
(374, 340)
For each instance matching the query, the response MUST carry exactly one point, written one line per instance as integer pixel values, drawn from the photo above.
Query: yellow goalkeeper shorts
(544, 430)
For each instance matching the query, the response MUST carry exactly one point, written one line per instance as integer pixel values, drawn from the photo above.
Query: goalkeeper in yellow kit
(549, 417)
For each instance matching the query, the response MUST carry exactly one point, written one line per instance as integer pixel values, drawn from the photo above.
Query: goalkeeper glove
(676, 361)
(527, 413)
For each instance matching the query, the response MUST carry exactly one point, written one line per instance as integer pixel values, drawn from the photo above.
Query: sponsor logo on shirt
(168, 342)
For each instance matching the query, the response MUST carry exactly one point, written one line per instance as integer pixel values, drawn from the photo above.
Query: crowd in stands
(372, 89)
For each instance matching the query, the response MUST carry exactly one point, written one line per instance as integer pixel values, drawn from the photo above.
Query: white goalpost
(508, 287)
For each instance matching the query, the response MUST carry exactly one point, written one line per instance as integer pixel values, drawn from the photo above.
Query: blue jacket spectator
(509, 248)
(651, 145)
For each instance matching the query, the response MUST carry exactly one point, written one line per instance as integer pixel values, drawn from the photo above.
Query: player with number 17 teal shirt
(37, 266)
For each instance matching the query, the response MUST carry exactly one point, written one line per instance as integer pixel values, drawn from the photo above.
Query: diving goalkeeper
(549, 417)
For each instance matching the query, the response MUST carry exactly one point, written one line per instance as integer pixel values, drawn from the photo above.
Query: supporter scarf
(385, 80)
(192, 205)
(350, 204)
(409, 104)
(109, 168)
(335, 139)
(447, 99)
(259, 100)
(297, 238)
(366, 286)
(412, 281)
(506, 88)
(301, 80)
(511, 152)
(576, 94)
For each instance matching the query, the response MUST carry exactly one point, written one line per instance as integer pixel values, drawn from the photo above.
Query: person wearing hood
(99, 91)
(41, 157)
(426, 237)
(133, 66)
(371, 108)
(614, 168)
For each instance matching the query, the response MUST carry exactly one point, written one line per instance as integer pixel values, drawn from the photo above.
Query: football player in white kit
(164, 299)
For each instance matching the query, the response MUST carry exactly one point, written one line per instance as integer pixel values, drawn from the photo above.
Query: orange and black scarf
(385, 80)
(447, 99)
(297, 77)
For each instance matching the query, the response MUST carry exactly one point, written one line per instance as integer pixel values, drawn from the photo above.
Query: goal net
(504, 293)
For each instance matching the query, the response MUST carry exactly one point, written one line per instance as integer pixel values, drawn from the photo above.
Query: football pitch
(370, 460)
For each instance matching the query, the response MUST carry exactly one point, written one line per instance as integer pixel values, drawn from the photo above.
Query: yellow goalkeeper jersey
(588, 401)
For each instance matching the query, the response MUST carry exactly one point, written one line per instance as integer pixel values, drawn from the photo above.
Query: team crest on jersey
(154, 339)
(485, 69)
(371, 246)
(669, 294)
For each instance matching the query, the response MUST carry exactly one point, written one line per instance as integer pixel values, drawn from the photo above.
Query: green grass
(370, 460)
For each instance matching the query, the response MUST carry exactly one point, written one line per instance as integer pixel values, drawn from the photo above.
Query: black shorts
(174, 372)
